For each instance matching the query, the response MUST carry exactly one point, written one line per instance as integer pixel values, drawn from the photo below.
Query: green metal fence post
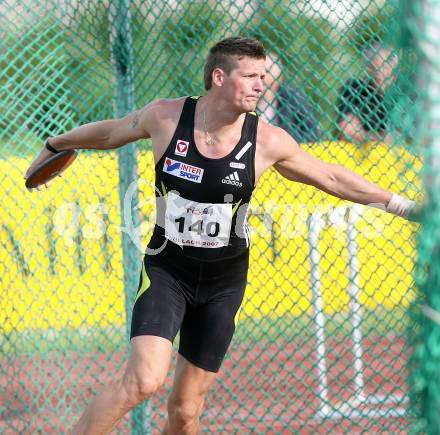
(124, 102)
(425, 363)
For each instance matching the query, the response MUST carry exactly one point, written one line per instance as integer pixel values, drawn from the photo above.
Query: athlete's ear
(218, 77)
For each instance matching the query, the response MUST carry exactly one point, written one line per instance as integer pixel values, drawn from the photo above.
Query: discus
(50, 168)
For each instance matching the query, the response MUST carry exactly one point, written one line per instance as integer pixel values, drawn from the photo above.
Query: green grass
(86, 340)
(380, 322)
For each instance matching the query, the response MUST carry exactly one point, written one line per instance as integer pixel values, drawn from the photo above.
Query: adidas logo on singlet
(232, 179)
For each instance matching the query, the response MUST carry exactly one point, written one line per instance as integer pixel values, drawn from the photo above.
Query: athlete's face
(245, 84)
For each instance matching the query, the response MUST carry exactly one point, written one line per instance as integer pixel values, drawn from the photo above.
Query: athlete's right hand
(44, 154)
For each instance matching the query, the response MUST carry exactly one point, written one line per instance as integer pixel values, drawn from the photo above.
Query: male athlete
(209, 152)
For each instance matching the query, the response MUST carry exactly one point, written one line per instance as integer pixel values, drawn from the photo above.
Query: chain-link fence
(320, 344)
(424, 30)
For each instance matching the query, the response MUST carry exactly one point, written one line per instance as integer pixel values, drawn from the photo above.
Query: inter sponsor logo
(181, 147)
(233, 179)
(183, 170)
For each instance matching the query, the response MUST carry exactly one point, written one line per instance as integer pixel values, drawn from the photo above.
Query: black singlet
(202, 202)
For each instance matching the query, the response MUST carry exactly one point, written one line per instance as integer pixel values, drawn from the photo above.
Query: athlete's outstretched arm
(297, 165)
(107, 134)
(102, 135)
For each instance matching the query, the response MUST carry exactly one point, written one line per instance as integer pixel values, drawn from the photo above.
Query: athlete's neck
(221, 119)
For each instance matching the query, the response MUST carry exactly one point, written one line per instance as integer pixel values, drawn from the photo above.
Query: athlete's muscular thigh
(185, 404)
(147, 366)
(190, 380)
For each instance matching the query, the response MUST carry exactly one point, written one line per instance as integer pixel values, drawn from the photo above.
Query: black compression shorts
(201, 298)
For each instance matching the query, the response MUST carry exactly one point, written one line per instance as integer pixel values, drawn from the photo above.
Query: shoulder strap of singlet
(250, 127)
(251, 122)
(187, 117)
(248, 145)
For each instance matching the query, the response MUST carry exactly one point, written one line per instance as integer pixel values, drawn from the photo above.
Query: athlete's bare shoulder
(273, 145)
(159, 115)
(158, 120)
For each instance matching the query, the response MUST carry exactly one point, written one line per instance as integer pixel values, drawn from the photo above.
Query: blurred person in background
(362, 106)
(287, 106)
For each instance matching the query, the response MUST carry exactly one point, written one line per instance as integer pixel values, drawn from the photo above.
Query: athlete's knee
(140, 385)
(185, 413)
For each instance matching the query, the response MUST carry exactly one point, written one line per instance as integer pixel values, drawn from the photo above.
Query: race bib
(202, 225)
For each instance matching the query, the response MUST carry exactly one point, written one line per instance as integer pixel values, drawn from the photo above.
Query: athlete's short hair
(225, 54)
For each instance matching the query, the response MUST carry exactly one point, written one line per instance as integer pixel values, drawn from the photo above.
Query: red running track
(267, 388)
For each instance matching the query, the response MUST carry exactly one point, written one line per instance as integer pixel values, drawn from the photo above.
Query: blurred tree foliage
(56, 71)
